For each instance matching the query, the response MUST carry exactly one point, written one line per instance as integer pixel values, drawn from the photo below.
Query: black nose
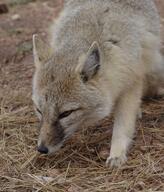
(42, 149)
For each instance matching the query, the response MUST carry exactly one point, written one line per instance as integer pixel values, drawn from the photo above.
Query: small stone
(143, 149)
(104, 153)
(15, 17)
(53, 172)
(73, 189)
(3, 8)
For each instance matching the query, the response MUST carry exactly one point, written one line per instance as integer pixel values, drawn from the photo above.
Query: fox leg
(124, 126)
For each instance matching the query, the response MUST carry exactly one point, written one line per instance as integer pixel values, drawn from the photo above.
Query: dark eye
(38, 110)
(65, 114)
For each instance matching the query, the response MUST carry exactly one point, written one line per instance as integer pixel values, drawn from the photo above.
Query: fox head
(67, 93)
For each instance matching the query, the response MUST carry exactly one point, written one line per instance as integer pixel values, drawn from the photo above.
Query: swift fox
(102, 56)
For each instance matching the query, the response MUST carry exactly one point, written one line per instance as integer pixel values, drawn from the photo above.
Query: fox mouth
(53, 149)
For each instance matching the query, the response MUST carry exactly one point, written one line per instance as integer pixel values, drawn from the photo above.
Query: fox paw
(116, 161)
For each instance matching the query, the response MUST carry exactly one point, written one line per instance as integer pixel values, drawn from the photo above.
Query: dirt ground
(80, 165)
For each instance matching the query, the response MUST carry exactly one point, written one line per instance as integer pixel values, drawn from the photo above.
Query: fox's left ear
(90, 63)
(41, 51)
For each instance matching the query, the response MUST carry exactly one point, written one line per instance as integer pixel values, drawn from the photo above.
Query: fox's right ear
(89, 64)
(41, 51)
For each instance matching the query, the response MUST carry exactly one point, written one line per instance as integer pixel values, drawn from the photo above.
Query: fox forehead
(55, 89)
(55, 76)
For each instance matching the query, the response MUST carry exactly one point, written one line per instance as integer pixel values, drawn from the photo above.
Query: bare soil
(80, 165)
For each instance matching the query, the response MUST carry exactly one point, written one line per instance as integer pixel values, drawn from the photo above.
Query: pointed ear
(41, 51)
(90, 65)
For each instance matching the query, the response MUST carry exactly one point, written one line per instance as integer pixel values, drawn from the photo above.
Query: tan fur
(101, 57)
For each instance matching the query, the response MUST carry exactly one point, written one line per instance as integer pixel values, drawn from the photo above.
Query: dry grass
(80, 165)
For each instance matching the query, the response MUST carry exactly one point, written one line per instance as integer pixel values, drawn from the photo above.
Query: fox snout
(42, 149)
(50, 138)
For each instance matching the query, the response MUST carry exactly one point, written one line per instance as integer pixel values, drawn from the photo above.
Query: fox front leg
(124, 125)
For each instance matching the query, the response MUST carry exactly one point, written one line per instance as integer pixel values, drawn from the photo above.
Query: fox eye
(65, 114)
(38, 110)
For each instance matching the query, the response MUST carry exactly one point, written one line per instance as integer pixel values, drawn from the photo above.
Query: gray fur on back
(126, 21)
